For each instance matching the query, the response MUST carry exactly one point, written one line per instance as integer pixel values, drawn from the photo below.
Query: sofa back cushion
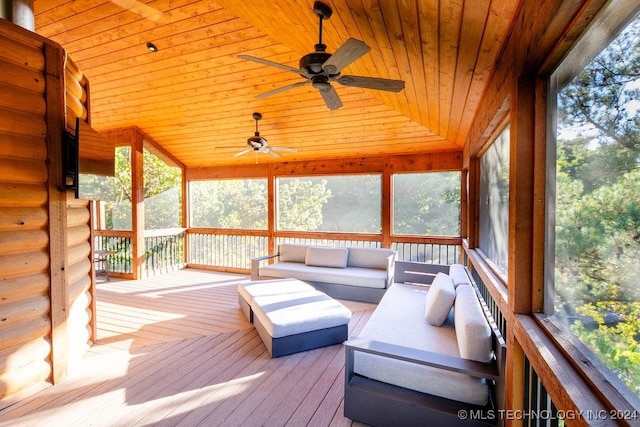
(472, 328)
(377, 258)
(322, 256)
(439, 300)
(459, 275)
(292, 253)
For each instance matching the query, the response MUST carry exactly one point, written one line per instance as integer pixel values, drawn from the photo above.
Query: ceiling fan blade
(269, 63)
(271, 152)
(349, 52)
(282, 89)
(330, 97)
(287, 149)
(243, 152)
(372, 83)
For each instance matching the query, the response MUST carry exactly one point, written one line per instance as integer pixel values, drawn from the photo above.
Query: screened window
(232, 203)
(347, 203)
(596, 217)
(426, 204)
(494, 202)
(113, 191)
(162, 193)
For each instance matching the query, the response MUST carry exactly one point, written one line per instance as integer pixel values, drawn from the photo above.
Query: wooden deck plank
(176, 364)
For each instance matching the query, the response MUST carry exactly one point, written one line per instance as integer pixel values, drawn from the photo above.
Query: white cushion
(472, 329)
(292, 253)
(459, 275)
(251, 290)
(371, 258)
(439, 300)
(321, 256)
(290, 314)
(352, 276)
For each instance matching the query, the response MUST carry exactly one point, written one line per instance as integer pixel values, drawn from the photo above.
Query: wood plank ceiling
(195, 97)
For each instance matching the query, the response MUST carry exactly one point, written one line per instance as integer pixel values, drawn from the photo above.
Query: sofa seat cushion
(411, 330)
(353, 276)
(251, 290)
(289, 314)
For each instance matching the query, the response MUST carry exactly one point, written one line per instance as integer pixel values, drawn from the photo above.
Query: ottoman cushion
(295, 313)
(250, 290)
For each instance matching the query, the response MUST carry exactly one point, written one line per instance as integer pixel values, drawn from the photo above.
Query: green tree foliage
(234, 203)
(598, 207)
(300, 203)
(162, 189)
(427, 204)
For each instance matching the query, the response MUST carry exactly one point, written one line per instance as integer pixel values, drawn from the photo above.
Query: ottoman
(247, 291)
(292, 322)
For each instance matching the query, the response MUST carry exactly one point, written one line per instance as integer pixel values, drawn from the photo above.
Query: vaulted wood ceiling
(195, 97)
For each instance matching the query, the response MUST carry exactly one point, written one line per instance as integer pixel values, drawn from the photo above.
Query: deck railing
(164, 250)
(225, 249)
(118, 244)
(232, 250)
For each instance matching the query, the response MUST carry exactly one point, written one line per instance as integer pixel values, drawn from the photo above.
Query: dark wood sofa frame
(380, 404)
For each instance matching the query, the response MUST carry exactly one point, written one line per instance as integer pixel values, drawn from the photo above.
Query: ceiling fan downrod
(256, 117)
(323, 12)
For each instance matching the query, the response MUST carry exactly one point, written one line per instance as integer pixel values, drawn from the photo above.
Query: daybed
(420, 362)
(359, 274)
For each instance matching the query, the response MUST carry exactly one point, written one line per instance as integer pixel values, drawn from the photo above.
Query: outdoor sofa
(405, 368)
(358, 274)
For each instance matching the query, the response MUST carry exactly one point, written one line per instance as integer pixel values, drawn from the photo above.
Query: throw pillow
(320, 256)
(440, 299)
(292, 253)
(459, 275)
(472, 330)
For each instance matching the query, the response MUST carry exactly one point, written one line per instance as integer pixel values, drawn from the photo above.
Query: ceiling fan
(259, 144)
(320, 68)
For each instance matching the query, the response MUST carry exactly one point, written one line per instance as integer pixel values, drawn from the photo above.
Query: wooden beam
(440, 162)
(54, 66)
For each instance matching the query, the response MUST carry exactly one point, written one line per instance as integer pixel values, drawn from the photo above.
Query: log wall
(29, 255)
(25, 325)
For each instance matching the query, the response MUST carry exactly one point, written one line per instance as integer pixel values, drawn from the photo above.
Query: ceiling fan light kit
(320, 68)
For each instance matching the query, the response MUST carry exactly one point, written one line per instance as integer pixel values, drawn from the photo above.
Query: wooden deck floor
(176, 350)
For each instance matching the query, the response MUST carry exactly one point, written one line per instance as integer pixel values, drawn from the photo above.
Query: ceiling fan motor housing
(312, 62)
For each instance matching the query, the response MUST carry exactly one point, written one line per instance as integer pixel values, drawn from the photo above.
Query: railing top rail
(164, 232)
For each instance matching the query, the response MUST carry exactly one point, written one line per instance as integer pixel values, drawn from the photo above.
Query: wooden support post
(473, 194)
(186, 220)
(58, 263)
(271, 211)
(521, 173)
(514, 378)
(521, 219)
(386, 202)
(137, 205)
(539, 196)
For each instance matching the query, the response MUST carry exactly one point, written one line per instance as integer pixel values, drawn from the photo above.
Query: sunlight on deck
(177, 350)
